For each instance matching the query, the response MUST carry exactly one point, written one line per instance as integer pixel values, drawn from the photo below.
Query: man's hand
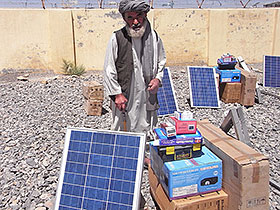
(154, 85)
(120, 102)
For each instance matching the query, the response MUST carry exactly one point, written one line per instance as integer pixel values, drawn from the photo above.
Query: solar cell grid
(101, 170)
(203, 87)
(271, 75)
(166, 97)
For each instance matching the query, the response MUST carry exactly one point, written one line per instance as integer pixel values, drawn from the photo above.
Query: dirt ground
(12, 75)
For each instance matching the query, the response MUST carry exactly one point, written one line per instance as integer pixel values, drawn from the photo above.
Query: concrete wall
(35, 38)
(40, 39)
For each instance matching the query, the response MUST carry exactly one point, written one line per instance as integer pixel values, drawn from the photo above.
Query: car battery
(226, 64)
(227, 61)
(179, 152)
(228, 75)
(183, 126)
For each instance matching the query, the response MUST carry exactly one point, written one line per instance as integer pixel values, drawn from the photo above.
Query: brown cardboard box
(93, 107)
(230, 92)
(245, 171)
(210, 201)
(248, 87)
(93, 90)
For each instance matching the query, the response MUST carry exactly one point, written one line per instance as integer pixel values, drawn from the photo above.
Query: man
(133, 69)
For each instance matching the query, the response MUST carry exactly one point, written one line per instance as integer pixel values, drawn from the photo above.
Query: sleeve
(161, 60)
(111, 84)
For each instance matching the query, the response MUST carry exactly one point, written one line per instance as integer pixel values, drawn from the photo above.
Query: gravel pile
(34, 115)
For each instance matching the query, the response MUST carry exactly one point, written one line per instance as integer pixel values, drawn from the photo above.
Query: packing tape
(221, 139)
(228, 140)
(256, 172)
(244, 157)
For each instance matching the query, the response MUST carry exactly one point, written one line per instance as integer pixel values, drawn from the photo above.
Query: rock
(34, 118)
(31, 162)
(49, 204)
(41, 208)
(22, 78)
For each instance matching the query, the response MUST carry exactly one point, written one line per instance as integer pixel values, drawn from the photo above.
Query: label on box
(191, 189)
(256, 202)
(170, 150)
(225, 79)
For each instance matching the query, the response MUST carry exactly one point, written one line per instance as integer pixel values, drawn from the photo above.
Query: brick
(93, 107)
(93, 90)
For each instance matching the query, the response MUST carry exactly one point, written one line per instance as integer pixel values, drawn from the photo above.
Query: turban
(133, 5)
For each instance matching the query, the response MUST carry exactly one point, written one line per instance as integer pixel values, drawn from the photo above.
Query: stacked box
(93, 107)
(248, 88)
(230, 92)
(185, 178)
(180, 139)
(93, 93)
(210, 201)
(183, 146)
(93, 90)
(229, 75)
(183, 126)
(245, 171)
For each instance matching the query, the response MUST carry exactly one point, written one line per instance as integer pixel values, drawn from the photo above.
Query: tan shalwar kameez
(138, 119)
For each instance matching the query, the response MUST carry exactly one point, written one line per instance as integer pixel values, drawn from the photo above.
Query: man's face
(135, 20)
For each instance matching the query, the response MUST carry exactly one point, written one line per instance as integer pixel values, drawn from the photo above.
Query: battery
(179, 152)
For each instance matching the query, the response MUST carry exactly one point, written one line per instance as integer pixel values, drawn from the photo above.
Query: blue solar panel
(271, 75)
(203, 87)
(100, 170)
(166, 96)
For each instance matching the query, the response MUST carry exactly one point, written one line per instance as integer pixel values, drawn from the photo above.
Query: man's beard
(138, 33)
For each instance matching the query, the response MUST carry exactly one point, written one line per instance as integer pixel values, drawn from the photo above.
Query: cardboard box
(245, 171)
(230, 92)
(183, 126)
(93, 107)
(232, 75)
(93, 90)
(210, 201)
(248, 88)
(185, 178)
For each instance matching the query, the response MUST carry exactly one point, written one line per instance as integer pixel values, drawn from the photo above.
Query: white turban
(133, 5)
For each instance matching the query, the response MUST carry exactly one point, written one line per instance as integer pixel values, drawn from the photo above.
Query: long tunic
(138, 119)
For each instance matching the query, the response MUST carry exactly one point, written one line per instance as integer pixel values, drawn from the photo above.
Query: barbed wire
(91, 4)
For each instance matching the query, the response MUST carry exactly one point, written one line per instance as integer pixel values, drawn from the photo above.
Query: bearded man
(133, 69)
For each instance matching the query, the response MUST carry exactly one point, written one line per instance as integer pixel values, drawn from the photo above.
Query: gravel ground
(34, 115)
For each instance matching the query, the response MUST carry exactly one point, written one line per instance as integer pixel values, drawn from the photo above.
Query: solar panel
(203, 87)
(100, 170)
(271, 73)
(166, 96)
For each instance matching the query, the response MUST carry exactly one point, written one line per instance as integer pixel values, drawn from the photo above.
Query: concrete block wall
(40, 39)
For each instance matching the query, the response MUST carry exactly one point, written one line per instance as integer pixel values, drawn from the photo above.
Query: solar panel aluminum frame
(264, 71)
(173, 91)
(190, 87)
(140, 162)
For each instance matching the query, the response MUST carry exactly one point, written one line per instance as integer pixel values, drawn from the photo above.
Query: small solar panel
(203, 87)
(100, 170)
(271, 73)
(166, 97)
